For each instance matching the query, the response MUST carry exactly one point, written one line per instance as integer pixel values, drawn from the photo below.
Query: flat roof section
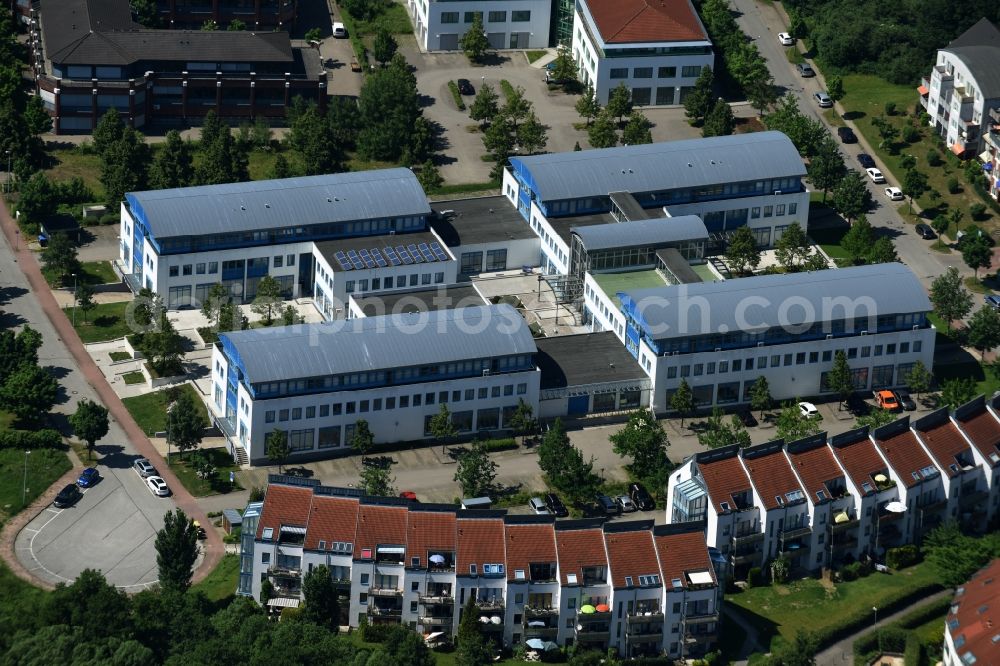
(642, 233)
(564, 226)
(382, 251)
(420, 300)
(613, 283)
(479, 220)
(628, 206)
(678, 266)
(587, 358)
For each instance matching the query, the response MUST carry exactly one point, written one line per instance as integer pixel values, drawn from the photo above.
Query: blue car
(89, 477)
(993, 301)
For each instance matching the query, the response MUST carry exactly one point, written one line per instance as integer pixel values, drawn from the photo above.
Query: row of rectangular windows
(376, 404)
(379, 283)
(520, 16)
(687, 72)
(799, 358)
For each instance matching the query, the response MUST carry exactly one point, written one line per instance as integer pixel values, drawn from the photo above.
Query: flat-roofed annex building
(315, 381)
(753, 180)
(656, 49)
(721, 336)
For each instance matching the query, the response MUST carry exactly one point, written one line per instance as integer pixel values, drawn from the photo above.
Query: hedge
(887, 638)
(504, 444)
(851, 624)
(902, 557)
(913, 654)
(456, 95)
(30, 439)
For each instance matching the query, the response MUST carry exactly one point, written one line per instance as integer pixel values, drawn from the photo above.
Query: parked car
(606, 505)
(537, 504)
(144, 468)
(805, 70)
(823, 100)
(925, 232)
(865, 160)
(339, 31)
(894, 193)
(555, 505)
(785, 39)
(875, 175)
(68, 496)
(641, 497)
(857, 405)
(88, 477)
(846, 135)
(746, 418)
(626, 504)
(887, 401)
(157, 486)
(409, 495)
(808, 409)
(465, 87)
(993, 301)
(904, 399)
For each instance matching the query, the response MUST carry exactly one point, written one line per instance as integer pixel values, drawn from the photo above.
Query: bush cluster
(902, 557)
(30, 439)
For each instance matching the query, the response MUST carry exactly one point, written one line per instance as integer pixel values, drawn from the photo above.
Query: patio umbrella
(495, 619)
(895, 507)
(436, 559)
(549, 645)
(484, 619)
(602, 608)
(535, 643)
(880, 478)
(587, 609)
(536, 623)
(842, 517)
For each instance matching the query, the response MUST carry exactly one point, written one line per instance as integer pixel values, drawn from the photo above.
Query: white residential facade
(509, 24)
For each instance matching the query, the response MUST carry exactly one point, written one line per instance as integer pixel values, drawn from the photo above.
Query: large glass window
(496, 260)
(664, 95)
(471, 16)
(881, 376)
(520, 16)
(619, 72)
(449, 17)
(667, 73)
(689, 71)
(329, 437)
(498, 17)
(729, 392)
(641, 96)
(472, 263)
(301, 440)
(642, 72)
(488, 419)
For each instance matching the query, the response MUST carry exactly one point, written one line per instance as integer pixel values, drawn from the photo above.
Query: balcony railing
(436, 619)
(490, 605)
(796, 532)
(284, 572)
(540, 611)
(540, 632)
(436, 599)
(384, 592)
(972, 499)
(652, 616)
(839, 528)
(936, 505)
(643, 634)
(843, 543)
(593, 618)
(592, 636)
(385, 612)
(745, 558)
(747, 537)
(702, 618)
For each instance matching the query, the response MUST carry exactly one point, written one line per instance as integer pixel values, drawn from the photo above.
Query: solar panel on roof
(358, 264)
(344, 262)
(391, 256)
(379, 259)
(440, 255)
(428, 255)
(404, 255)
(415, 253)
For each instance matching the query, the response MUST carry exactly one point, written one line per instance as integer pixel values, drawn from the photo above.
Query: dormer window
(821, 495)
(472, 569)
(628, 581)
(268, 533)
(866, 487)
(519, 574)
(724, 506)
(779, 500)
(571, 579)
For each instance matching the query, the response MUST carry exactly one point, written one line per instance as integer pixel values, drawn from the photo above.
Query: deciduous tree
(742, 254)
(363, 439)
(643, 440)
(976, 252)
(267, 302)
(38, 197)
(90, 423)
(919, 379)
(474, 42)
(59, 256)
(124, 167)
(619, 102)
(211, 308)
(185, 422)
(587, 106)
(377, 480)
(176, 550)
(883, 251)
(485, 105)
(637, 129)
(29, 392)
(760, 395)
(531, 135)
(950, 299)
(858, 240)
(835, 88)
(826, 168)
(958, 391)
(984, 329)
(793, 247)
(322, 607)
(719, 121)
(793, 425)
(384, 46)
(840, 380)
(522, 421)
(476, 472)
(173, 166)
(602, 133)
(914, 185)
(277, 448)
(85, 299)
(701, 99)
(429, 176)
(682, 401)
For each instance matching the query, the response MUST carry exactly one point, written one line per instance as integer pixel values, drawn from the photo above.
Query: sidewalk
(28, 265)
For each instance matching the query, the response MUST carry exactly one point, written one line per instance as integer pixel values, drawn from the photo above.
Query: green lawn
(117, 356)
(809, 605)
(72, 162)
(829, 239)
(150, 410)
(865, 99)
(98, 272)
(44, 467)
(534, 55)
(612, 283)
(977, 286)
(106, 321)
(182, 466)
(132, 378)
(221, 583)
(986, 382)
(6, 419)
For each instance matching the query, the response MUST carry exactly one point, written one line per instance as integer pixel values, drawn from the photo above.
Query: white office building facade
(439, 25)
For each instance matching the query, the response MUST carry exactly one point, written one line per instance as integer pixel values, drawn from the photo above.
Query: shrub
(30, 439)
(910, 134)
(912, 651)
(257, 494)
(887, 639)
(890, 108)
(110, 218)
(934, 158)
(755, 577)
(977, 210)
(504, 444)
(902, 557)
(456, 95)
(953, 186)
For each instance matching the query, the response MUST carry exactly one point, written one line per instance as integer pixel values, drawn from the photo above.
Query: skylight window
(649, 580)
(969, 658)
(571, 578)
(794, 496)
(915, 475)
(268, 533)
(821, 495)
(628, 581)
(867, 487)
(930, 470)
(519, 574)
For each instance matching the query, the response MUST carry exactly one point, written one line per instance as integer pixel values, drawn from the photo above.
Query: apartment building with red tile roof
(982, 428)
(859, 456)
(480, 541)
(819, 472)
(772, 476)
(947, 446)
(640, 21)
(379, 525)
(531, 550)
(682, 556)
(726, 481)
(430, 533)
(581, 555)
(972, 627)
(632, 556)
(284, 505)
(905, 455)
(331, 520)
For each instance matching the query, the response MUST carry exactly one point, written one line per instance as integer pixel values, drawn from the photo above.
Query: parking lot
(112, 527)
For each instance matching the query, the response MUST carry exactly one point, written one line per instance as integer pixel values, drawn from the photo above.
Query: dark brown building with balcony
(255, 14)
(89, 56)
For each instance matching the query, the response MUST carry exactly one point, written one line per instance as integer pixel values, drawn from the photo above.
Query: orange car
(886, 400)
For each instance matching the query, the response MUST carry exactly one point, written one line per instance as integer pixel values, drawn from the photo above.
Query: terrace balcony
(702, 618)
(932, 506)
(796, 532)
(491, 605)
(436, 620)
(973, 499)
(378, 611)
(540, 632)
(384, 592)
(745, 537)
(434, 598)
(640, 617)
(540, 612)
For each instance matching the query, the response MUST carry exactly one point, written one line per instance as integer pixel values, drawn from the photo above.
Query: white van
(339, 31)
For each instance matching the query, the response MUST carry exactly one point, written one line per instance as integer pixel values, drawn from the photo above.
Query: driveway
(462, 149)
(112, 528)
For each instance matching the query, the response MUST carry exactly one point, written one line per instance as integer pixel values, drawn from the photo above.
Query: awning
(985, 157)
(293, 529)
(391, 550)
(923, 90)
(700, 577)
(957, 148)
(283, 602)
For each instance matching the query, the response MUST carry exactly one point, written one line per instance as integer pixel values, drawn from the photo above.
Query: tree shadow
(493, 59)
(854, 115)
(381, 462)
(424, 101)
(301, 472)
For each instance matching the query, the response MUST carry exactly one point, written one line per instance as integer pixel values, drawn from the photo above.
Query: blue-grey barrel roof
(755, 304)
(660, 166)
(275, 204)
(378, 343)
(642, 233)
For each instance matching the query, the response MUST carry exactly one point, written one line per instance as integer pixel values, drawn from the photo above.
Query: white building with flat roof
(657, 49)
(314, 382)
(438, 25)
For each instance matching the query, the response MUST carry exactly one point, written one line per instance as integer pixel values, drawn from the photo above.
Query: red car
(409, 495)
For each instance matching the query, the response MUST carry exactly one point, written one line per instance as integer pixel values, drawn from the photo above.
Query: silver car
(537, 505)
(144, 468)
(626, 504)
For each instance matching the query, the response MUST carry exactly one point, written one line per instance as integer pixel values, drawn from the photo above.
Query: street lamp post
(875, 610)
(74, 300)
(24, 484)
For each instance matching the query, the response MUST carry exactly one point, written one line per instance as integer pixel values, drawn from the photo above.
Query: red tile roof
(331, 519)
(284, 505)
(429, 530)
(861, 460)
(723, 479)
(380, 525)
(906, 456)
(816, 467)
(984, 431)
(946, 443)
(631, 21)
(682, 553)
(772, 476)
(579, 549)
(480, 541)
(978, 616)
(528, 544)
(631, 554)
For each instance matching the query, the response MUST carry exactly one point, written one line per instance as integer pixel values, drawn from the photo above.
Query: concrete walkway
(73, 351)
